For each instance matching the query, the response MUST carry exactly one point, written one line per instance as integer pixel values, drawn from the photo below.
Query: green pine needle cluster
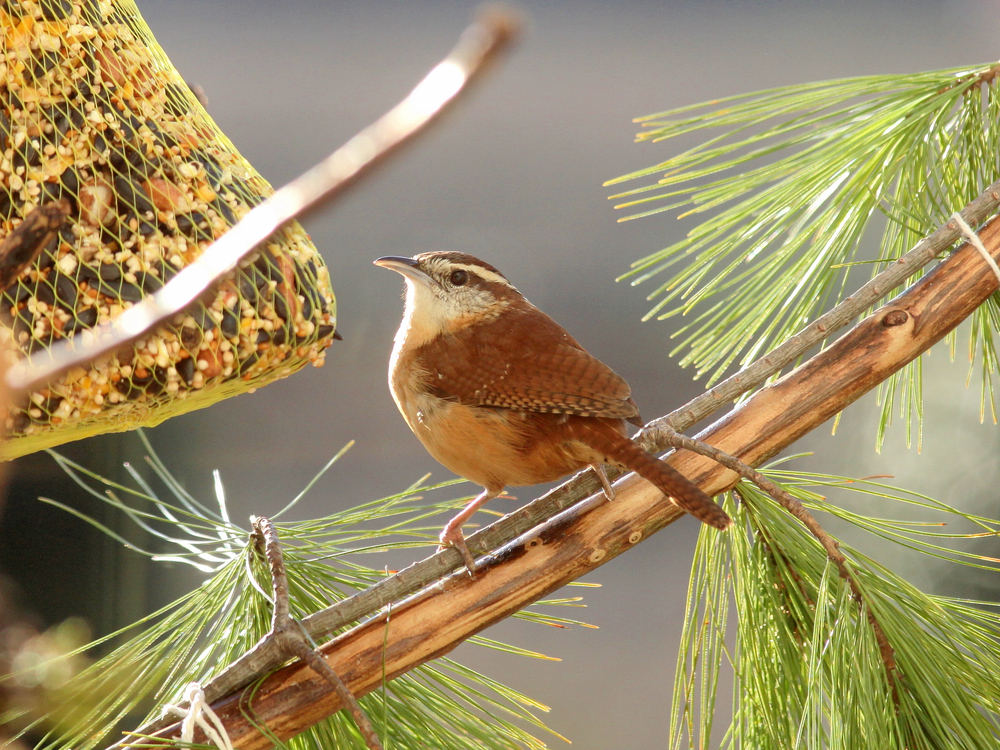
(442, 705)
(807, 669)
(790, 187)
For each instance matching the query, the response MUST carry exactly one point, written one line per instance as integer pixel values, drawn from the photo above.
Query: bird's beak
(408, 267)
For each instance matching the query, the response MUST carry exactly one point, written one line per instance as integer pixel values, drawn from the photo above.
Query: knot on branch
(895, 318)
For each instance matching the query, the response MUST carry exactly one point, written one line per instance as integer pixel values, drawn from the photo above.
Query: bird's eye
(459, 278)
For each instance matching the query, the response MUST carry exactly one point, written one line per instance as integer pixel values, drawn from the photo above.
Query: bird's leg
(451, 534)
(609, 491)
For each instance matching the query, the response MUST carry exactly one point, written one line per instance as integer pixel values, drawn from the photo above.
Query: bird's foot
(609, 491)
(452, 536)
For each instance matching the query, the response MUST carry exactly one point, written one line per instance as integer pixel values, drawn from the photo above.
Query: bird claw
(454, 538)
(609, 491)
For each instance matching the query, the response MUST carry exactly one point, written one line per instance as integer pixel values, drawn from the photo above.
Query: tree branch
(287, 638)
(984, 205)
(580, 539)
(433, 568)
(799, 511)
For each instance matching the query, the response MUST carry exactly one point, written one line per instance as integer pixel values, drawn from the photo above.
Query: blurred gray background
(515, 176)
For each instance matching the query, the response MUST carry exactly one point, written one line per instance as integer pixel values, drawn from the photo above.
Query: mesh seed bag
(92, 110)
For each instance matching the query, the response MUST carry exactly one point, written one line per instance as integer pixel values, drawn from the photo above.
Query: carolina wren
(500, 394)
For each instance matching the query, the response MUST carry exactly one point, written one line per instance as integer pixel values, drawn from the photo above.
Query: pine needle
(807, 669)
(788, 190)
(441, 705)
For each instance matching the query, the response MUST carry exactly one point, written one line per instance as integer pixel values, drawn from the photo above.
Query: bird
(501, 394)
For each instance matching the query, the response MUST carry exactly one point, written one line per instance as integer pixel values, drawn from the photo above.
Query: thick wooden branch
(424, 572)
(586, 536)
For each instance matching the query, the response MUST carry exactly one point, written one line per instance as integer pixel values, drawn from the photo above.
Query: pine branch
(790, 180)
(287, 638)
(589, 534)
(788, 351)
(790, 503)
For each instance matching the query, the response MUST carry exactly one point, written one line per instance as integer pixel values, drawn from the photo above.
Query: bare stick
(480, 43)
(751, 376)
(792, 504)
(288, 638)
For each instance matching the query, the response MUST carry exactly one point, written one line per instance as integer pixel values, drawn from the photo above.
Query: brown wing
(525, 360)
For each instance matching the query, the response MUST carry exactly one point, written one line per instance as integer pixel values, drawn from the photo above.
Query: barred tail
(620, 450)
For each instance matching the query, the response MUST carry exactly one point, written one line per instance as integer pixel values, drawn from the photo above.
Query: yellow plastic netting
(92, 110)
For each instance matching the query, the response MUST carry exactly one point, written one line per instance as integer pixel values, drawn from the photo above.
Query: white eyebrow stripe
(482, 273)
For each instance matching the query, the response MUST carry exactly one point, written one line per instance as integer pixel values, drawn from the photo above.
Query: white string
(977, 243)
(195, 716)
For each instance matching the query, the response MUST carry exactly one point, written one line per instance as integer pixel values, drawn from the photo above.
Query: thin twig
(796, 508)
(288, 638)
(266, 537)
(788, 351)
(480, 44)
